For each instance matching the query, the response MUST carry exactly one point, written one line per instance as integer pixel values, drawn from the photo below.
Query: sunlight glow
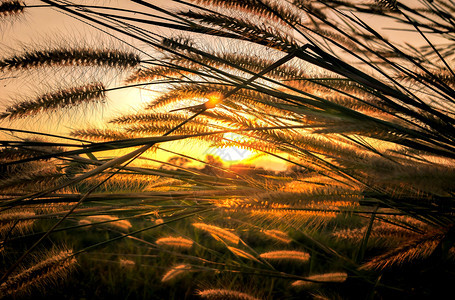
(214, 99)
(233, 153)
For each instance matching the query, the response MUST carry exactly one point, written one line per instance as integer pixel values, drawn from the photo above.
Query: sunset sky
(42, 26)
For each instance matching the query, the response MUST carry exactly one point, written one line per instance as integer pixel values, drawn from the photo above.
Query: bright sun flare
(233, 153)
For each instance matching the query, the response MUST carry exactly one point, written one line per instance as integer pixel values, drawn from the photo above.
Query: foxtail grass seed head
(278, 235)
(337, 277)
(175, 272)
(66, 98)
(411, 251)
(15, 222)
(69, 57)
(126, 263)
(218, 233)
(56, 266)
(107, 221)
(11, 8)
(224, 294)
(242, 253)
(175, 242)
(286, 255)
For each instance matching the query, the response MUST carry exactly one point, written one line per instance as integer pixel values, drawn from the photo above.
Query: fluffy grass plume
(218, 233)
(11, 8)
(242, 253)
(126, 263)
(338, 277)
(277, 235)
(414, 250)
(174, 272)
(69, 57)
(175, 242)
(15, 221)
(224, 294)
(154, 73)
(107, 221)
(286, 255)
(56, 266)
(58, 100)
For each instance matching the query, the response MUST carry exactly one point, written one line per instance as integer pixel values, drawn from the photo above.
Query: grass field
(255, 149)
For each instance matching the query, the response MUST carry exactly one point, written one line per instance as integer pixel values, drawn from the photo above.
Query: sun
(233, 153)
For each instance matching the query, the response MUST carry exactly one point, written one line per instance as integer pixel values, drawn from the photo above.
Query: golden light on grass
(111, 222)
(218, 233)
(286, 255)
(175, 242)
(52, 268)
(215, 294)
(126, 263)
(242, 253)
(289, 212)
(278, 235)
(174, 272)
(16, 222)
(335, 277)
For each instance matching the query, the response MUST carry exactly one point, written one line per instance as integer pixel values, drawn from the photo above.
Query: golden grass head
(15, 222)
(126, 263)
(413, 250)
(54, 267)
(175, 242)
(109, 221)
(286, 255)
(336, 277)
(218, 233)
(175, 271)
(241, 253)
(11, 8)
(278, 235)
(224, 294)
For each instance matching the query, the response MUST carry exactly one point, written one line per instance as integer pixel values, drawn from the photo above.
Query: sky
(41, 26)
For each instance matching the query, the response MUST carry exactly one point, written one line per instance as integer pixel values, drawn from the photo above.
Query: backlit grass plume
(62, 99)
(278, 235)
(107, 221)
(218, 233)
(175, 242)
(218, 294)
(60, 57)
(11, 8)
(286, 255)
(50, 269)
(412, 251)
(338, 277)
(175, 272)
(16, 222)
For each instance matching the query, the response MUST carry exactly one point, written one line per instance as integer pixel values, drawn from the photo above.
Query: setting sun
(233, 153)
(214, 99)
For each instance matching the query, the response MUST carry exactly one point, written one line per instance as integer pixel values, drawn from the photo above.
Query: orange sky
(51, 26)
